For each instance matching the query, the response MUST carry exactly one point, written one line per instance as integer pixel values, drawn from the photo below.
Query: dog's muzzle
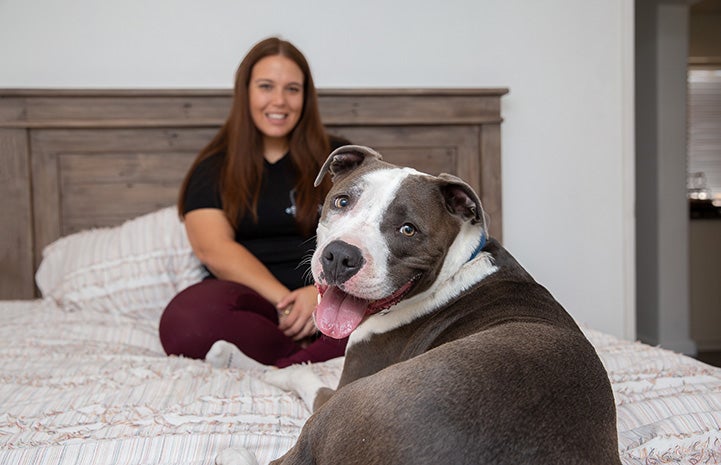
(340, 262)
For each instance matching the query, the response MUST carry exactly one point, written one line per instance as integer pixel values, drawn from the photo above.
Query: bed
(96, 250)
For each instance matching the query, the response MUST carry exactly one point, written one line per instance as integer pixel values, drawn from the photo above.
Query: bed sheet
(92, 387)
(80, 387)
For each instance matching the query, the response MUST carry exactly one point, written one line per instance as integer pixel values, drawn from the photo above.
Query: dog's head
(386, 234)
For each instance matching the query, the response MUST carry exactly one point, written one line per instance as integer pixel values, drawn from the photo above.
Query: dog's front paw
(287, 378)
(239, 456)
(300, 379)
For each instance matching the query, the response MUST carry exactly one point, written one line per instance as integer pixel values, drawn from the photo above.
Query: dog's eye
(341, 201)
(408, 230)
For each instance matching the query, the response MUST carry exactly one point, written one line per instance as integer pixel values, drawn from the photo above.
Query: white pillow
(133, 269)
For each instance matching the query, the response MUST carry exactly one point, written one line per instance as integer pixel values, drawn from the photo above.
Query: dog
(456, 355)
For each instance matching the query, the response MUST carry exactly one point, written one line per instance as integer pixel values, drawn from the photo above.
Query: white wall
(568, 130)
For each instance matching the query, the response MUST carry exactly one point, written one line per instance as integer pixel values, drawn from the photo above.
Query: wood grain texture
(16, 239)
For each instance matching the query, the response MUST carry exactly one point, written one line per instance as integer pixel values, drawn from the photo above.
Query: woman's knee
(213, 310)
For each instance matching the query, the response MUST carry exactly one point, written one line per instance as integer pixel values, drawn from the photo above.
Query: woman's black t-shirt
(275, 239)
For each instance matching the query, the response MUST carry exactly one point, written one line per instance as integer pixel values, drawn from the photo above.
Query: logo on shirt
(291, 210)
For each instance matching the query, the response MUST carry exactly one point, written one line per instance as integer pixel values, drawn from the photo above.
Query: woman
(250, 211)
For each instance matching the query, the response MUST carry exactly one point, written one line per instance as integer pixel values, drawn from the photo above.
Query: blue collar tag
(479, 247)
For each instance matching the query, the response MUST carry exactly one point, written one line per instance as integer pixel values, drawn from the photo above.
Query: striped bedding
(87, 386)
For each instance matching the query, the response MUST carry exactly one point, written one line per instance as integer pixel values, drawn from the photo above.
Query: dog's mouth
(339, 313)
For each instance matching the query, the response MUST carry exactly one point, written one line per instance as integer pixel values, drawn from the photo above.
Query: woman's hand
(296, 313)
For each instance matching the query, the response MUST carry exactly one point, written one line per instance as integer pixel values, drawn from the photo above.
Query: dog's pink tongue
(338, 313)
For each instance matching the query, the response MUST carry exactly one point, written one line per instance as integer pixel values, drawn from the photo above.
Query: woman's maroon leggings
(214, 309)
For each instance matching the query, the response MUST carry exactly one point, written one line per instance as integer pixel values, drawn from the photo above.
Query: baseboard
(684, 346)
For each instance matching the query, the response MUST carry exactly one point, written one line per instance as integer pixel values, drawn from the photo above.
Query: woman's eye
(341, 201)
(408, 230)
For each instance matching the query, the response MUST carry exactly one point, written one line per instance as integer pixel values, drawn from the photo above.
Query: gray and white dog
(456, 355)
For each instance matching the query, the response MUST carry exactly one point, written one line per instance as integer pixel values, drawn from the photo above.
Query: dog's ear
(345, 159)
(461, 199)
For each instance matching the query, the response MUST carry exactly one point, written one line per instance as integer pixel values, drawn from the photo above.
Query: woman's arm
(213, 241)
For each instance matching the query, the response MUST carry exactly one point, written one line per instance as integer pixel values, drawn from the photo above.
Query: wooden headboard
(77, 159)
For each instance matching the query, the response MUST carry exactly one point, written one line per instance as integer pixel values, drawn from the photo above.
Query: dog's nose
(341, 261)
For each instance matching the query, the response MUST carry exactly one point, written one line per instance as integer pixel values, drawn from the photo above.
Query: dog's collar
(479, 247)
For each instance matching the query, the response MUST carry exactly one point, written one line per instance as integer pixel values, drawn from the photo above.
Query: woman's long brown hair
(242, 143)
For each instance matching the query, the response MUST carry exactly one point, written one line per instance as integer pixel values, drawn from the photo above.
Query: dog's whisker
(311, 238)
(305, 262)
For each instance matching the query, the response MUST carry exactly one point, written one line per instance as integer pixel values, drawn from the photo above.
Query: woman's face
(276, 95)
